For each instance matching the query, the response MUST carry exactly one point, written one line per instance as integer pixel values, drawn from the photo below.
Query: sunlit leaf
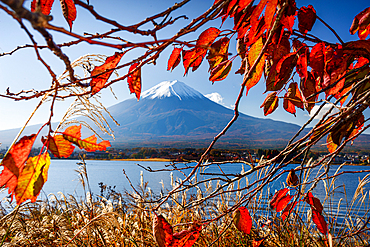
(270, 104)
(44, 4)
(293, 98)
(32, 178)
(207, 37)
(14, 161)
(174, 59)
(361, 23)
(242, 220)
(306, 18)
(270, 12)
(162, 231)
(69, 11)
(257, 242)
(134, 80)
(218, 52)
(252, 57)
(73, 134)
(221, 71)
(359, 48)
(317, 58)
(188, 57)
(98, 82)
(58, 146)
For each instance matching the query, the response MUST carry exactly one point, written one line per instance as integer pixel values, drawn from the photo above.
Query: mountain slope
(174, 113)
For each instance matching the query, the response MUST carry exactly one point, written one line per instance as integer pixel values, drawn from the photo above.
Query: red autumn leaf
(314, 202)
(359, 48)
(98, 82)
(270, 12)
(134, 80)
(361, 23)
(308, 88)
(221, 71)
(44, 4)
(207, 37)
(270, 104)
(218, 52)
(278, 195)
(188, 57)
(174, 59)
(282, 203)
(32, 179)
(187, 238)
(320, 222)
(288, 22)
(253, 54)
(288, 209)
(257, 242)
(242, 220)
(301, 67)
(306, 18)
(14, 161)
(254, 21)
(69, 11)
(73, 134)
(58, 146)
(317, 58)
(330, 143)
(292, 180)
(285, 67)
(244, 3)
(162, 231)
(293, 98)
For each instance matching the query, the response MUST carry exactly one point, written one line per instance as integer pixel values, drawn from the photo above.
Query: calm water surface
(64, 178)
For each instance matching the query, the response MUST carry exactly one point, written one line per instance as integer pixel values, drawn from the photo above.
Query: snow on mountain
(171, 89)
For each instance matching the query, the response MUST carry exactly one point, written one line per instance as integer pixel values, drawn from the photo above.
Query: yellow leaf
(32, 178)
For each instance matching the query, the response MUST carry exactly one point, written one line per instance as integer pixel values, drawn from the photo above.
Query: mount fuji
(174, 114)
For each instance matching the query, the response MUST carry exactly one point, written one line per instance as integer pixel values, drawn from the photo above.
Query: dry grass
(122, 219)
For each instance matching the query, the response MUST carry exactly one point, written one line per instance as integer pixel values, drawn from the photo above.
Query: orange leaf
(218, 52)
(98, 82)
(292, 179)
(270, 12)
(306, 18)
(14, 160)
(162, 231)
(44, 4)
(188, 57)
(314, 202)
(174, 59)
(252, 57)
(187, 238)
(320, 222)
(221, 71)
(257, 242)
(32, 178)
(73, 134)
(361, 23)
(317, 58)
(206, 38)
(58, 146)
(270, 104)
(242, 220)
(293, 98)
(134, 80)
(69, 11)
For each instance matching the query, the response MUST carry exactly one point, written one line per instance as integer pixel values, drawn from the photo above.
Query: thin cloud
(323, 111)
(216, 97)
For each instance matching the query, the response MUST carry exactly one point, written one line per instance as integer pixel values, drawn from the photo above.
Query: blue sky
(23, 71)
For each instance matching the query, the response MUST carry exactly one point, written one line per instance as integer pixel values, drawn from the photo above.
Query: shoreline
(150, 159)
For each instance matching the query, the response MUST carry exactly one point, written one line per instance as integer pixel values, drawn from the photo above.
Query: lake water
(63, 177)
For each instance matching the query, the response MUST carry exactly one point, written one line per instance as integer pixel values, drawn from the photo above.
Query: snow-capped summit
(171, 89)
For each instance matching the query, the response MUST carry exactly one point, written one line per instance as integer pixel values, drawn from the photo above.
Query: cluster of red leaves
(25, 176)
(164, 236)
(68, 9)
(281, 202)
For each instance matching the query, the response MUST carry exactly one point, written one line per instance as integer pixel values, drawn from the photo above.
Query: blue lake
(63, 177)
